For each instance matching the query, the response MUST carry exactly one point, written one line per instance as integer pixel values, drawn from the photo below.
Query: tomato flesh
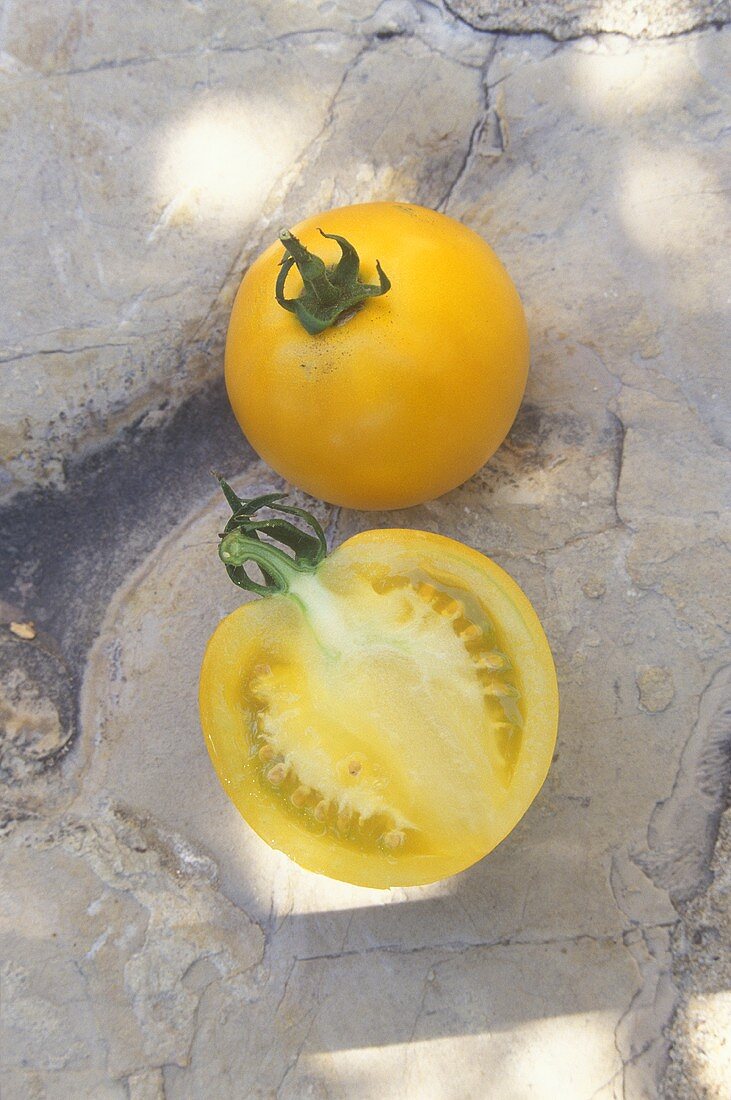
(388, 720)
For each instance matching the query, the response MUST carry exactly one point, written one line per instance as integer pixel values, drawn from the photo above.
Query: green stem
(237, 549)
(328, 292)
(241, 542)
(283, 573)
(311, 268)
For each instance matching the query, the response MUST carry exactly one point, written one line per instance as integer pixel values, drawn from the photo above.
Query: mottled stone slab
(151, 945)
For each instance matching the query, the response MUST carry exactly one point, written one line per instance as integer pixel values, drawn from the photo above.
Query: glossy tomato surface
(406, 398)
(389, 720)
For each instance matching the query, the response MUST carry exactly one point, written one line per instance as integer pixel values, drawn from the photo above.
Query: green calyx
(328, 292)
(241, 542)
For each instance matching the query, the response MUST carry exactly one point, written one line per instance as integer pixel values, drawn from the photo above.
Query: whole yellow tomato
(377, 385)
(386, 714)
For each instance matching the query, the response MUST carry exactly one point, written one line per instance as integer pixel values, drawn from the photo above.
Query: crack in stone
(148, 1071)
(552, 34)
(294, 1059)
(619, 460)
(60, 351)
(475, 134)
(287, 979)
(621, 1021)
(606, 1084)
(107, 64)
(420, 1007)
(576, 540)
(457, 946)
(422, 28)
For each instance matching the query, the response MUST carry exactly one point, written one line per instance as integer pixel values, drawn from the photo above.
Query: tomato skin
(273, 632)
(407, 398)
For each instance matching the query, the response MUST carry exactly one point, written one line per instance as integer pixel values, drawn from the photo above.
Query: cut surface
(374, 722)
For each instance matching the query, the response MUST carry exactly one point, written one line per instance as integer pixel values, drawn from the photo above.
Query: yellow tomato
(400, 400)
(385, 717)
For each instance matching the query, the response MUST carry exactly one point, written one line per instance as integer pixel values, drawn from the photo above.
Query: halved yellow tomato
(386, 715)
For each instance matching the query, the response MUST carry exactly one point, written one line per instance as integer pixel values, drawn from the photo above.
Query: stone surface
(700, 1051)
(151, 945)
(656, 688)
(565, 19)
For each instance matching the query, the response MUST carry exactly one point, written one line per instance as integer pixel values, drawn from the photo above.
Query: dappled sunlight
(615, 77)
(219, 165)
(711, 1059)
(668, 200)
(298, 893)
(659, 183)
(319, 896)
(571, 1057)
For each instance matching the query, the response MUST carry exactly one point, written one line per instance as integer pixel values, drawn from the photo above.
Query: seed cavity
(394, 838)
(356, 776)
(387, 582)
(504, 734)
(497, 689)
(474, 636)
(259, 674)
(347, 803)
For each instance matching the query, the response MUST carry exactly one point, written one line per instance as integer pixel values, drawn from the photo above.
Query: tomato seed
(300, 796)
(384, 584)
(277, 774)
(453, 609)
(492, 660)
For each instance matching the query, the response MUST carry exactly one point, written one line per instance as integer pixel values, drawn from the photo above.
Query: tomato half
(405, 394)
(387, 717)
